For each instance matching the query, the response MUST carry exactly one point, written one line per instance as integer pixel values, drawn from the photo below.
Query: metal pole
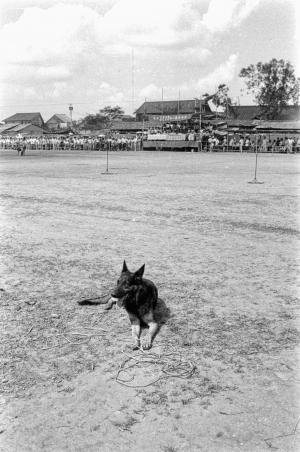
(255, 171)
(200, 124)
(107, 156)
(255, 181)
(144, 115)
(255, 167)
(162, 107)
(227, 141)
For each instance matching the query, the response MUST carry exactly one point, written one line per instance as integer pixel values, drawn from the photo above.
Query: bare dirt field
(223, 373)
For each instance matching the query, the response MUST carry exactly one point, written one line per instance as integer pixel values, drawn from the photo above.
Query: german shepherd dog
(139, 297)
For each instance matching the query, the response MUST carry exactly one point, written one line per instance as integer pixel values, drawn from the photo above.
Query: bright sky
(93, 53)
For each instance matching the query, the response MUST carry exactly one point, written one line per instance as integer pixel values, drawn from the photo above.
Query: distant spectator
(241, 144)
(281, 145)
(264, 144)
(286, 144)
(224, 144)
(23, 147)
(247, 143)
(269, 145)
(290, 144)
(19, 147)
(273, 146)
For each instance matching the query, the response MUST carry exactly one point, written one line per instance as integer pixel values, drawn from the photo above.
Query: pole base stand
(255, 181)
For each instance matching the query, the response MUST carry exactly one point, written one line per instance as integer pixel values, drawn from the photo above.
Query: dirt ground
(223, 373)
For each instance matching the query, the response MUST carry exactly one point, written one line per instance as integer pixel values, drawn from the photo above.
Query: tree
(221, 98)
(112, 112)
(102, 119)
(273, 84)
(93, 122)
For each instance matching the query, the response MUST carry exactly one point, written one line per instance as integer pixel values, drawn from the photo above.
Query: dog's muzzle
(118, 300)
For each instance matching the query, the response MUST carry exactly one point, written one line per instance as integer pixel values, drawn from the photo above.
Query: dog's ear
(139, 273)
(124, 269)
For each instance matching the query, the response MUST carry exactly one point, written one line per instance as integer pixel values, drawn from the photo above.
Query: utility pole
(144, 113)
(200, 121)
(132, 79)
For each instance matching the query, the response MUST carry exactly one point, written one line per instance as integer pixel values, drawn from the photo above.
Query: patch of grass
(169, 449)
(124, 425)
(156, 398)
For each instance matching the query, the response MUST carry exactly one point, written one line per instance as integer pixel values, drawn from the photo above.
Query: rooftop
(169, 107)
(250, 112)
(23, 117)
(60, 118)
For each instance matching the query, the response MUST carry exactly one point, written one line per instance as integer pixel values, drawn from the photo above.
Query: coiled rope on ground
(170, 364)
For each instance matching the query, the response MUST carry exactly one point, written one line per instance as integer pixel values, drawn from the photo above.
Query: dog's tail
(97, 300)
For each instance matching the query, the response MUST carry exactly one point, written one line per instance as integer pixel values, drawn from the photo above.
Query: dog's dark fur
(139, 297)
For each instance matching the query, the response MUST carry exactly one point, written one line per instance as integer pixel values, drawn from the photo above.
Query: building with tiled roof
(252, 112)
(282, 126)
(171, 110)
(26, 118)
(4, 128)
(133, 126)
(58, 122)
(24, 129)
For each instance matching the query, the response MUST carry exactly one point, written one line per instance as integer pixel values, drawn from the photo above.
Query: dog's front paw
(146, 343)
(110, 303)
(136, 345)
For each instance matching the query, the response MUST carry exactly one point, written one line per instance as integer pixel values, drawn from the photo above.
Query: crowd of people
(99, 143)
(249, 143)
(210, 141)
(216, 141)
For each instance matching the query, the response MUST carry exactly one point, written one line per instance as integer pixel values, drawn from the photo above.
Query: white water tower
(71, 112)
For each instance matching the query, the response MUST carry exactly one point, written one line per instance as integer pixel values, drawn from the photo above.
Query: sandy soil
(223, 254)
